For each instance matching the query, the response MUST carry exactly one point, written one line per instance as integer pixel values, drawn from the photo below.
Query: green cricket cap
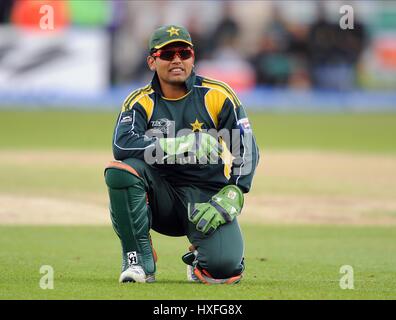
(169, 34)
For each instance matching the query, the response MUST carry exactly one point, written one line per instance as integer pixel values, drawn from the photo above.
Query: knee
(223, 267)
(120, 175)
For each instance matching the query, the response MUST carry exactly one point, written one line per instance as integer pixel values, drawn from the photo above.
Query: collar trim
(170, 99)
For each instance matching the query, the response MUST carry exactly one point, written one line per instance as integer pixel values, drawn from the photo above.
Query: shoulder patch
(141, 96)
(223, 87)
(132, 95)
(147, 104)
(214, 101)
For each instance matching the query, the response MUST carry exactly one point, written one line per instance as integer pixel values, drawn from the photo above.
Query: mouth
(176, 70)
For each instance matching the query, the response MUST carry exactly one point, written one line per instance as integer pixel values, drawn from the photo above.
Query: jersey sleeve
(242, 144)
(129, 138)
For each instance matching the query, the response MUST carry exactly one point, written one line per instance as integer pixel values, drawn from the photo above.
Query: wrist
(232, 195)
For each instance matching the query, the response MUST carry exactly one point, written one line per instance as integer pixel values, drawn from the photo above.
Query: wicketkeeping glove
(222, 208)
(199, 144)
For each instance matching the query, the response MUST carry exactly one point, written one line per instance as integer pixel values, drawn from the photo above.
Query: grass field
(352, 132)
(51, 174)
(283, 262)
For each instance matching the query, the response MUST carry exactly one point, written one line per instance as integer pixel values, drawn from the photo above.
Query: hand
(199, 144)
(222, 208)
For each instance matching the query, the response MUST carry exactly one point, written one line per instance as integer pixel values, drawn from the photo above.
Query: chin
(178, 80)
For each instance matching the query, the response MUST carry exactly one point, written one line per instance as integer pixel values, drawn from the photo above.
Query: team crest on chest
(196, 126)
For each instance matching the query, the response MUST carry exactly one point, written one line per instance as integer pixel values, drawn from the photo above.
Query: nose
(176, 58)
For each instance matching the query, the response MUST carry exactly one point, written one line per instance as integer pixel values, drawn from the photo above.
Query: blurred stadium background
(278, 55)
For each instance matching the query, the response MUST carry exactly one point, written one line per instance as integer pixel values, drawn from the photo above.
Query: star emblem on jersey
(196, 126)
(173, 31)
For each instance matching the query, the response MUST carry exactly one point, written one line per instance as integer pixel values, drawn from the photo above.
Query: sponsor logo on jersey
(161, 126)
(126, 119)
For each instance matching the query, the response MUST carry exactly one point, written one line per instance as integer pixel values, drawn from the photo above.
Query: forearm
(129, 139)
(244, 166)
(132, 147)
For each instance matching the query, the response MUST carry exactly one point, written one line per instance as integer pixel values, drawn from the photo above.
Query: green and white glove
(199, 144)
(222, 208)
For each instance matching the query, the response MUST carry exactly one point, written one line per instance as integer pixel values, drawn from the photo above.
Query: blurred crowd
(282, 44)
(282, 54)
(320, 54)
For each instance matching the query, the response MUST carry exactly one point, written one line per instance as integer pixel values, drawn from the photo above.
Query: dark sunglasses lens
(167, 55)
(185, 54)
(170, 54)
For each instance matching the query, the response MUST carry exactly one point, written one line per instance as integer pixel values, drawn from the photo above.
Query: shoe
(191, 277)
(189, 259)
(203, 276)
(197, 274)
(135, 273)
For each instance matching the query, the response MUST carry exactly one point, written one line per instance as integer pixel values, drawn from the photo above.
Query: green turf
(357, 132)
(34, 179)
(56, 129)
(283, 262)
(363, 132)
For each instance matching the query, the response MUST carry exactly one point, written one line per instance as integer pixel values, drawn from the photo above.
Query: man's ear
(151, 63)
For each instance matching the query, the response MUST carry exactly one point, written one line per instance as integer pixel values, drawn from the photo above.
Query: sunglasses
(169, 54)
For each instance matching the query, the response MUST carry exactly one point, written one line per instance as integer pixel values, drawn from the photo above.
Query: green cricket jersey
(208, 105)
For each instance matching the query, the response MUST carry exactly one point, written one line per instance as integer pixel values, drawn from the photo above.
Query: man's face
(175, 71)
